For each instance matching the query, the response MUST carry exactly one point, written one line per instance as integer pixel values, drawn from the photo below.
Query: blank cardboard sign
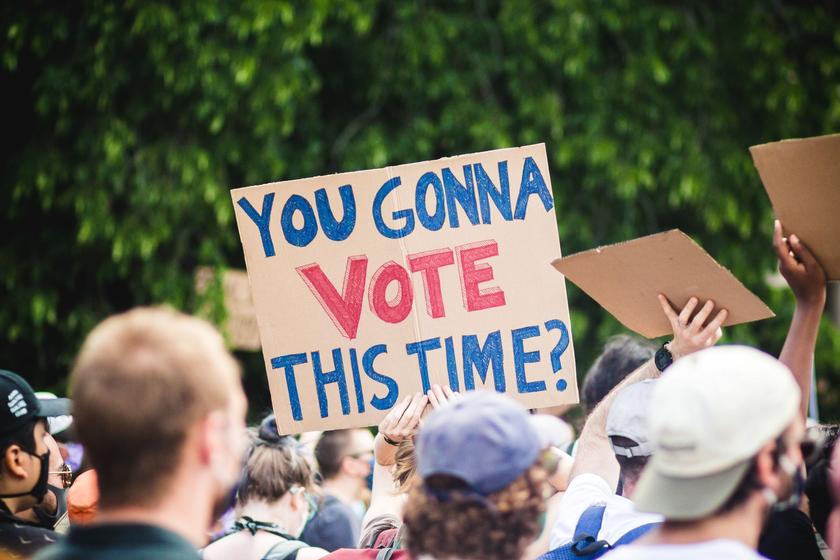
(625, 279)
(802, 178)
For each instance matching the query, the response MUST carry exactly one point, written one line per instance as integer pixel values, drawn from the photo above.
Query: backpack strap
(585, 542)
(284, 550)
(385, 554)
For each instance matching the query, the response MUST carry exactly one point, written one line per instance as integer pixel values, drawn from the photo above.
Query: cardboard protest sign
(241, 323)
(626, 278)
(802, 178)
(373, 285)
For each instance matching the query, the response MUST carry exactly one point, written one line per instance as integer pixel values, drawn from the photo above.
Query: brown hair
(141, 381)
(498, 528)
(275, 465)
(331, 450)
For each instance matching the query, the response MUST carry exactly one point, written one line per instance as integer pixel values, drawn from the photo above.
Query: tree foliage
(128, 122)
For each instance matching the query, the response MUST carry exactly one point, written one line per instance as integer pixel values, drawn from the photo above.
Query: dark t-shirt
(120, 541)
(22, 539)
(789, 535)
(335, 526)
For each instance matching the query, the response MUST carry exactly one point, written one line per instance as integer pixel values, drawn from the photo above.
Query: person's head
(158, 400)
(821, 498)
(83, 498)
(725, 429)
(480, 494)
(627, 428)
(25, 464)
(621, 356)
(279, 475)
(345, 454)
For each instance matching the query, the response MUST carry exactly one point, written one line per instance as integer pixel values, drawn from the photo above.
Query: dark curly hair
(499, 527)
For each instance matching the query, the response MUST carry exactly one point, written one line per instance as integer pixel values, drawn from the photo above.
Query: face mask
(39, 490)
(797, 487)
(48, 520)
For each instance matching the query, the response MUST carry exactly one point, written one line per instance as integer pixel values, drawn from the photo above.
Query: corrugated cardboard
(241, 323)
(802, 178)
(625, 279)
(291, 319)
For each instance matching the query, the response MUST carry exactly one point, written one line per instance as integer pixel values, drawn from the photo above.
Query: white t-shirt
(721, 549)
(620, 516)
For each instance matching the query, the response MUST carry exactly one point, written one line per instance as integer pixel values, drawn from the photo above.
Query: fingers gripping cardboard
(625, 279)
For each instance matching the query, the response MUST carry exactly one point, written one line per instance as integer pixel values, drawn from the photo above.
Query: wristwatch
(663, 358)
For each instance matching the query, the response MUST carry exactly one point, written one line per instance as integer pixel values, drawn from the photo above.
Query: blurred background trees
(126, 124)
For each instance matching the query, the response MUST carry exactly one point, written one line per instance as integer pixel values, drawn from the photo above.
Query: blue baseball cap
(484, 439)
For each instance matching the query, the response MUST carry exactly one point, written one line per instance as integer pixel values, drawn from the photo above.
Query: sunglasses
(66, 474)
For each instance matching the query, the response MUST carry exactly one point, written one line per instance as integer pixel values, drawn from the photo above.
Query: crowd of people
(691, 450)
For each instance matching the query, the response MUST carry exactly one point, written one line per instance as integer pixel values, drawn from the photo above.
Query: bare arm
(806, 279)
(400, 424)
(595, 454)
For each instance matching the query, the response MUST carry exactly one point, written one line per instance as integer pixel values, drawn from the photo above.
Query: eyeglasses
(66, 474)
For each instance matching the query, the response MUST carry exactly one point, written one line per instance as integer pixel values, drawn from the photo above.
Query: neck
(16, 505)
(345, 488)
(742, 524)
(278, 512)
(185, 510)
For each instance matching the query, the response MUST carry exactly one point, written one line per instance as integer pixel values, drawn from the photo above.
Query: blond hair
(141, 380)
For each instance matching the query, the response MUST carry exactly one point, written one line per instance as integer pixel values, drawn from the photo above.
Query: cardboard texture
(241, 324)
(372, 285)
(802, 178)
(626, 278)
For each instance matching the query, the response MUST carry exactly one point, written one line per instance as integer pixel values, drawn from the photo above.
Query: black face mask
(39, 490)
(49, 520)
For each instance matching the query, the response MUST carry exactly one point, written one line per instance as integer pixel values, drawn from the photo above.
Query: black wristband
(663, 358)
(389, 441)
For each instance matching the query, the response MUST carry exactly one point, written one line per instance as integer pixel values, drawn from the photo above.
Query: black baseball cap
(19, 405)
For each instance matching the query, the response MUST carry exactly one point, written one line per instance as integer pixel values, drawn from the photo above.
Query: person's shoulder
(26, 540)
(375, 527)
(585, 485)
(722, 549)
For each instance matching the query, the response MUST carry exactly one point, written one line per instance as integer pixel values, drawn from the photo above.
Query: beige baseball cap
(710, 414)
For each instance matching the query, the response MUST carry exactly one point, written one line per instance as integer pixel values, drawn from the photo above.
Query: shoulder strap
(584, 544)
(283, 550)
(385, 554)
(585, 541)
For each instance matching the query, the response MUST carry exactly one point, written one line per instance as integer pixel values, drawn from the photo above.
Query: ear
(347, 464)
(296, 501)
(209, 436)
(13, 461)
(766, 467)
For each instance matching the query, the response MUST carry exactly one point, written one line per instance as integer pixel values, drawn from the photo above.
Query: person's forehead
(41, 427)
